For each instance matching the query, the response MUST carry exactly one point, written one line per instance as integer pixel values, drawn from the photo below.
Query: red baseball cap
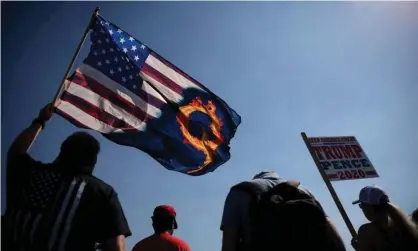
(166, 210)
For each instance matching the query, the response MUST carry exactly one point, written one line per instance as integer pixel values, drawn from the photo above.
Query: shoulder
(139, 245)
(23, 162)
(235, 208)
(151, 242)
(368, 230)
(178, 243)
(367, 227)
(100, 187)
(237, 196)
(99, 194)
(148, 243)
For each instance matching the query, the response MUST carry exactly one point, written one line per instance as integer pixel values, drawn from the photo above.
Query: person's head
(80, 150)
(414, 216)
(164, 219)
(377, 208)
(372, 200)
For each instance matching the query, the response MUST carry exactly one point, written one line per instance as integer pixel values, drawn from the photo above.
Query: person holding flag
(61, 205)
(135, 97)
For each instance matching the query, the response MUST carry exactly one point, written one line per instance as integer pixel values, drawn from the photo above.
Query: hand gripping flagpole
(83, 39)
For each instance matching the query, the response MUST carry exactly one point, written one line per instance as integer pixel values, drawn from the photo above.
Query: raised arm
(25, 139)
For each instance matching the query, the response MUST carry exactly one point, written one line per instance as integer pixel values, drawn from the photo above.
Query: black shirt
(51, 209)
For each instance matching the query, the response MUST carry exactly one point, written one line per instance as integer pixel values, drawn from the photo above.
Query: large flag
(135, 97)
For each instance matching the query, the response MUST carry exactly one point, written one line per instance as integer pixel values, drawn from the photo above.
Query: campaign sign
(342, 158)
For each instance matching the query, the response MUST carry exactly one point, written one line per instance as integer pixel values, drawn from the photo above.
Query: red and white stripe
(92, 100)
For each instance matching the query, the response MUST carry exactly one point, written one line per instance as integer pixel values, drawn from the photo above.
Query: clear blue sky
(330, 69)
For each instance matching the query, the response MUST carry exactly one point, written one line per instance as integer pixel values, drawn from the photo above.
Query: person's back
(164, 224)
(161, 242)
(72, 214)
(60, 206)
(249, 218)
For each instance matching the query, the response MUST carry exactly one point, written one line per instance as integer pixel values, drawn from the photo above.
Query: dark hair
(162, 224)
(80, 148)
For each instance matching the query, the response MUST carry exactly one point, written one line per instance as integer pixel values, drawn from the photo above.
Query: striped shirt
(48, 209)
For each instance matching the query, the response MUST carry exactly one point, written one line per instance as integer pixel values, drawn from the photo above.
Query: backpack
(285, 218)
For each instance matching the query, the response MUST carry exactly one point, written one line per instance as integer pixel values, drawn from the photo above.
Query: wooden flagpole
(83, 39)
(67, 72)
(330, 187)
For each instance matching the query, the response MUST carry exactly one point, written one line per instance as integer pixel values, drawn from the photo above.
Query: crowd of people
(63, 206)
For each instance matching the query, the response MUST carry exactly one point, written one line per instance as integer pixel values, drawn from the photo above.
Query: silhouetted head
(80, 150)
(414, 216)
(372, 201)
(164, 219)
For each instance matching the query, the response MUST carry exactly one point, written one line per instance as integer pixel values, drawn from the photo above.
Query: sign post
(339, 158)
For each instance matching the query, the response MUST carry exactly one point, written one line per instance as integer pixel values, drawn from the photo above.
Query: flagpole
(67, 72)
(80, 44)
(330, 187)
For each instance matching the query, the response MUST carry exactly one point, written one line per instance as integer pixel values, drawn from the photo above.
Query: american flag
(46, 208)
(123, 86)
(121, 83)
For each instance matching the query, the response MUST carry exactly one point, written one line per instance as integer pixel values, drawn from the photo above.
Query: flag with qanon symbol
(135, 97)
